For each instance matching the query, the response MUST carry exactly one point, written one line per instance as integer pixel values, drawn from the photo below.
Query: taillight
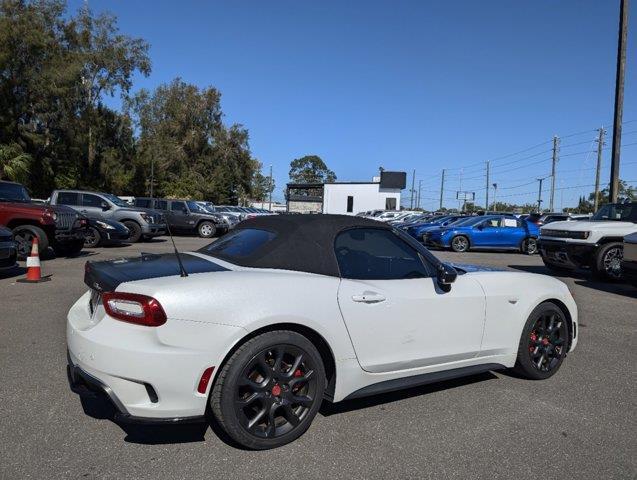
(134, 308)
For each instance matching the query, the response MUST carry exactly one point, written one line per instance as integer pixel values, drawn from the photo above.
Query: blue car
(419, 229)
(495, 232)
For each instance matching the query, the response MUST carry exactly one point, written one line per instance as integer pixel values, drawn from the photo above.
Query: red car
(58, 227)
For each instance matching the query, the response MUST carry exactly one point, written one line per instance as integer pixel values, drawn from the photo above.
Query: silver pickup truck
(143, 223)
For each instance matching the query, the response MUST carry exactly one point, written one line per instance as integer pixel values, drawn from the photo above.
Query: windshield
(194, 207)
(464, 221)
(14, 192)
(114, 199)
(620, 212)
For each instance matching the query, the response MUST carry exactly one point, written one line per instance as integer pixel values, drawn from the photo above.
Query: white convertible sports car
(285, 311)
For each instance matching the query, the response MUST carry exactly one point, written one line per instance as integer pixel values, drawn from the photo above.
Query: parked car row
(71, 220)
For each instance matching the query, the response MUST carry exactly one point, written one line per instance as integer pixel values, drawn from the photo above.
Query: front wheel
(269, 391)
(543, 344)
(135, 231)
(460, 243)
(92, 238)
(206, 229)
(607, 262)
(24, 236)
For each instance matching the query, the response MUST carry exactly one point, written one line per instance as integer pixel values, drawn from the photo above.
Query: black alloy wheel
(275, 391)
(269, 390)
(544, 342)
(92, 238)
(24, 236)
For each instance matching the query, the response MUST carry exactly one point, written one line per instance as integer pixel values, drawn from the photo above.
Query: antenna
(182, 270)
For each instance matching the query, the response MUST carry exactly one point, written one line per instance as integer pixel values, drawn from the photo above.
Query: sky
(406, 85)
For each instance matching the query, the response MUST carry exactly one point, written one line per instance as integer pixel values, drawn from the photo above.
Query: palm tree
(14, 163)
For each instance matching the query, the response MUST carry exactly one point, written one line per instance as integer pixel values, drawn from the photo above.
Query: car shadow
(329, 408)
(13, 272)
(97, 406)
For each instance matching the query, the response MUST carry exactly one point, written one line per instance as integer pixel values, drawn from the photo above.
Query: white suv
(595, 244)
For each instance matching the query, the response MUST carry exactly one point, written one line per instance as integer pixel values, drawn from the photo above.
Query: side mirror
(446, 275)
(105, 206)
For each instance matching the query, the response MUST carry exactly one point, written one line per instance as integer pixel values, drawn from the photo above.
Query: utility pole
(413, 181)
(600, 144)
(270, 188)
(539, 196)
(619, 99)
(556, 146)
(419, 191)
(442, 187)
(487, 200)
(152, 174)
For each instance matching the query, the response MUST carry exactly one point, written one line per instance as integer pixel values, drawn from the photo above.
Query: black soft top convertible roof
(302, 243)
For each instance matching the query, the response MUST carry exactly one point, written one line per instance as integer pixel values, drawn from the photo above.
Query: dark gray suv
(186, 216)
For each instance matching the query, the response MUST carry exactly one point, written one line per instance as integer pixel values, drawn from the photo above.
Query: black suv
(186, 216)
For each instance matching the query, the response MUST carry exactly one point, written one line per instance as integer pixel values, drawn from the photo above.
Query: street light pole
(270, 189)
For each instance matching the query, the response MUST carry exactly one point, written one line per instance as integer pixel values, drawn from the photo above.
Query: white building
(347, 198)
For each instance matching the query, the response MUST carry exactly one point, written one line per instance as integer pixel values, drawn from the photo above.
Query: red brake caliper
(533, 339)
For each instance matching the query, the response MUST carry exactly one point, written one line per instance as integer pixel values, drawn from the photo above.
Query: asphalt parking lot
(579, 424)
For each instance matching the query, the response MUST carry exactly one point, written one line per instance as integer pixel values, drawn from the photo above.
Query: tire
(24, 235)
(135, 231)
(529, 246)
(251, 376)
(607, 261)
(543, 344)
(206, 229)
(70, 249)
(460, 243)
(93, 238)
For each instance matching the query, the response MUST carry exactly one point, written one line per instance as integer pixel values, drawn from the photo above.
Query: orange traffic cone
(34, 273)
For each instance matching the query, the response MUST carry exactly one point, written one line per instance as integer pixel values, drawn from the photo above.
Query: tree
(261, 188)
(14, 163)
(191, 152)
(107, 61)
(310, 169)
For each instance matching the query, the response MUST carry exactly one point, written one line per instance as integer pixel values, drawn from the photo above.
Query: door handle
(368, 298)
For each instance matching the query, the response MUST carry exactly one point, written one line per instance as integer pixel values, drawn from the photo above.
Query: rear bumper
(567, 254)
(86, 385)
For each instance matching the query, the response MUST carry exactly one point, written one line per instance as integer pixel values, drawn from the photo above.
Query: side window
(376, 254)
(509, 222)
(68, 198)
(161, 204)
(142, 202)
(89, 200)
(177, 207)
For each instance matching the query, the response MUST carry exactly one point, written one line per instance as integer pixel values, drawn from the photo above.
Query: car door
(397, 315)
(512, 233)
(179, 218)
(486, 233)
(92, 206)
